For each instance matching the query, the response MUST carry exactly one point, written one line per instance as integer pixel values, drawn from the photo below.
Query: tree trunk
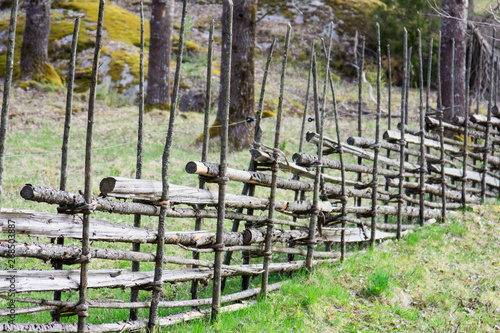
(160, 49)
(35, 63)
(454, 27)
(242, 72)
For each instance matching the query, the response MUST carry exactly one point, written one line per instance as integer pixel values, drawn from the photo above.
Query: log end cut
(107, 185)
(28, 192)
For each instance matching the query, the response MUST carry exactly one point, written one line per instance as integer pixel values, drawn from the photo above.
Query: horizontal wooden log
(482, 120)
(433, 123)
(65, 280)
(389, 210)
(359, 152)
(434, 190)
(60, 225)
(121, 326)
(118, 304)
(396, 136)
(152, 190)
(471, 175)
(72, 255)
(368, 143)
(460, 121)
(263, 157)
(54, 196)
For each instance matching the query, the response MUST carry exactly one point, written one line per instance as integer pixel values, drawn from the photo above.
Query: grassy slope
(443, 278)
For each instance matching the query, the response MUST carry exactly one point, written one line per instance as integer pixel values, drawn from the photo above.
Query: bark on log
(471, 175)
(119, 326)
(69, 226)
(103, 304)
(54, 196)
(65, 280)
(151, 191)
(368, 143)
(435, 190)
(356, 151)
(395, 135)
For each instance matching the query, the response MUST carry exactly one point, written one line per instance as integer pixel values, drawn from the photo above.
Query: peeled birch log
(54, 196)
(395, 135)
(122, 326)
(471, 175)
(111, 304)
(433, 189)
(356, 151)
(389, 210)
(476, 134)
(263, 157)
(368, 143)
(151, 190)
(211, 170)
(481, 130)
(65, 280)
(482, 120)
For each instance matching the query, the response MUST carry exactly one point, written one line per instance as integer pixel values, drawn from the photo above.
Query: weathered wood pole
(306, 102)
(252, 166)
(206, 137)
(9, 69)
(376, 146)
(440, 116)
(134, 293)
(466, 123)
(67, 127)
(158, 274)
(219, 246)
(82, 308)
(275, 168)
(423, 164)
(389, 110)
(402, 142)
(314, 214)
(487, 148)
(360, 102)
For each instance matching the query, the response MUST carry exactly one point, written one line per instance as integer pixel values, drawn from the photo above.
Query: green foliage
(378, 282)
(393, 18)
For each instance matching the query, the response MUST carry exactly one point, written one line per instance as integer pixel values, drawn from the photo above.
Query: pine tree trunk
(453, 28)
(34, 50)
(242, 71)
(160, 49)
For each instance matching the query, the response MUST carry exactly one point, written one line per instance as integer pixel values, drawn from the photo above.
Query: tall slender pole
(219, 246)
(306, 102)
(343, 196)
(275, 168)
(9, 69)
(206, 137)
(440, 115)
(466, 124)
(487, 147)
(158, 273)
(311, 243)
(423, 164)
(82, 308)
(134, 293)
(389, 110)
(360, 102)
(67, 127)
(249, 189)
(376, 146)
(402, 142)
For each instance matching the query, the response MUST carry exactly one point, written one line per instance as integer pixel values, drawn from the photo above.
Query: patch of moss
(160, 106)
(120, 24)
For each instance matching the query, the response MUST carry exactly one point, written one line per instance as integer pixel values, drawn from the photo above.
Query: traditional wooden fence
(424, 175)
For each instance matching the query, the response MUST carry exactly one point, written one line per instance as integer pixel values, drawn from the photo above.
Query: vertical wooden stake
(360, 102)
(275, 168)
(440, 116)
(160, 250)
(9, 69)
(82, 308)
(206, 137)
(423, 164)
(402, 142)
(219, 246)
(389, 111)
(67, 127)
(306, 102)
(487, 147)
(376, 146)
(134, 293)
(466, 125)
